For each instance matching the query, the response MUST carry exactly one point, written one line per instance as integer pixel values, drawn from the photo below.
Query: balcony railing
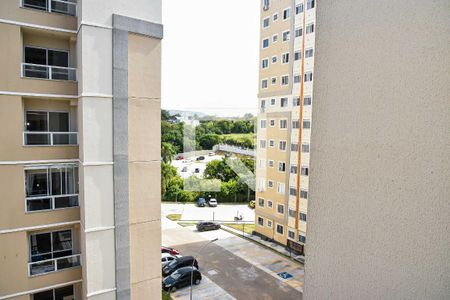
(53, 264)
(42, 203)
(68, 7)
(48, 72)
(39, 138)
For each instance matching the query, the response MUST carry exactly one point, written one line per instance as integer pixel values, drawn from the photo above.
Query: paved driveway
(223, 212)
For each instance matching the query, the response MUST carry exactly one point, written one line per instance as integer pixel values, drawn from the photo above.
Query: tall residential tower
(284, 120)
(79, 149)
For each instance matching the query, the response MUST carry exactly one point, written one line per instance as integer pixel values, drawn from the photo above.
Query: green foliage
(207, 141)
(167, 152)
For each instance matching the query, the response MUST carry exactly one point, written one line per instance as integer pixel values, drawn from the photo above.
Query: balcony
(66, 7)
(54, 264)
(42, 138)
(48, 72)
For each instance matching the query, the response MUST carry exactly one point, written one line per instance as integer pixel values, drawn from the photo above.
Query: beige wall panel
(45, 39)
(144, 290)
(11, 10)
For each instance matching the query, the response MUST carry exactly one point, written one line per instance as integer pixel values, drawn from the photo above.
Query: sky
(210, 56)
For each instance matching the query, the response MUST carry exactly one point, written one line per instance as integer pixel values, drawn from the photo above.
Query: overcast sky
(210, 56)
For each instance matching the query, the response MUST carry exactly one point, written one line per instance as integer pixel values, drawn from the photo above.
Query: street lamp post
(193, 261)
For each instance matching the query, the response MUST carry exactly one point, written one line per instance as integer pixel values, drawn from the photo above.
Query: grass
(248, 228)
(174, 217)
(166, 296)
(240, 135)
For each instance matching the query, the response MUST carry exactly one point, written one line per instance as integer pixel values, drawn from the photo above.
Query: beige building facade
(284, 120)
(79, 149)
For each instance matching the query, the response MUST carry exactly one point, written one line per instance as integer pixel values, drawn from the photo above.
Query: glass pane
(64, 8)
(60, 74)
(47, 295)
(61, 139)
(36, 71)
(39, 204)
(37, 4)
(43, 267)
(62, 240)
(68, 262)
(36, 182)
(59, 121)
(36, 56)
(37, 139)
(72, 181)
(58, 58)
(56, 181)
(62, 202)
(36, 121)
(64, 293)
(40, 243)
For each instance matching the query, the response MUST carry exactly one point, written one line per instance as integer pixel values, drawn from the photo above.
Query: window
(62, 7)
(304, 171)
(280, 208)
(286, 36)
(265, 43)
(270, 185)
(292, 213)
(283, 145)
(305, 148)
(296, 101)
(294, 147)
(303, 194)
(272, 122)
(266, 4)
(264, 84)
(283, 124)
(48, 128)
(285, 80)
(284, 102)
(286, 13)
(261, 202)
(307, 100)
(262, 144)
(280, 229)
(309, 53)
(292, 191)
(310, 28)
(47, 64)
(302, 217)
(263, 103)
(306, 124)
(63, 293)
(271, 143)
(308, 76)
(274, 80)
(285, 58)
(281, 166)
(301, 238)
(298, 32)
(309, 4)
(295, 124)
(298, 55)
(297, 78)
(269, 223)
(260, 221)
(294, 169)
(265, 63)
(262, 163)
(274, 59)
(262, 185)
(270, 162)
(262, 123)
(54, 249)
(299, 8)
(272, 101)
(51, 187)
(270, 204)
(291, 234)
(275, 17)
(275, 38)
(266, 22)
(280, 188)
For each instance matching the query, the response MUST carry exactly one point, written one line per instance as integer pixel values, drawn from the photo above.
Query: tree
(168, 173)
(167, 152)
(209, 140)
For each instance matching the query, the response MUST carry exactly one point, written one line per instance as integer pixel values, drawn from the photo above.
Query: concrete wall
(379, 206)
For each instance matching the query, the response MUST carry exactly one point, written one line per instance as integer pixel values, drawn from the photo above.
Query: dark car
(207, 225)
(201, 202)
(169, 250)
(201, 158)
(181, 278)
(180, 262)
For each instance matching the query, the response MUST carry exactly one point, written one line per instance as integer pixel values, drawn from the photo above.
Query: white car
(166, 258)
(212, 202)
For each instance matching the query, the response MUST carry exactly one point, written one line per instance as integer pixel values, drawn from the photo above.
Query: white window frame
(286, 38)
(276, 59)
(279, 145)
(262, 84)
(285, 58)
(275, 17)
(281, 188)
(266, 59)
(281, 164)
(283, 80)
(273, 80)
(274, 38)
(270, 163)
(284, 121)
(288, 10)
(268, 43)
(271, 143)
(268, 23)
(276, 229)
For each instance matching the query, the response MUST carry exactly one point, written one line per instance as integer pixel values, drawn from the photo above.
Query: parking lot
(188, 167)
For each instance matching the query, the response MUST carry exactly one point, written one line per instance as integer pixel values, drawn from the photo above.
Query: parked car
(184, 169)
(197, 170)
(169, 250)
(180, 262)
(212, 202)
(181, 278)
(201, 158)
(207, 225)
(201, 202)
(252, 204)
(179, 157)
(211, 154)
(166, 258)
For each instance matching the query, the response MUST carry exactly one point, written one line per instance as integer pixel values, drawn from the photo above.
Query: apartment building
(79, 149)
(284, 120)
